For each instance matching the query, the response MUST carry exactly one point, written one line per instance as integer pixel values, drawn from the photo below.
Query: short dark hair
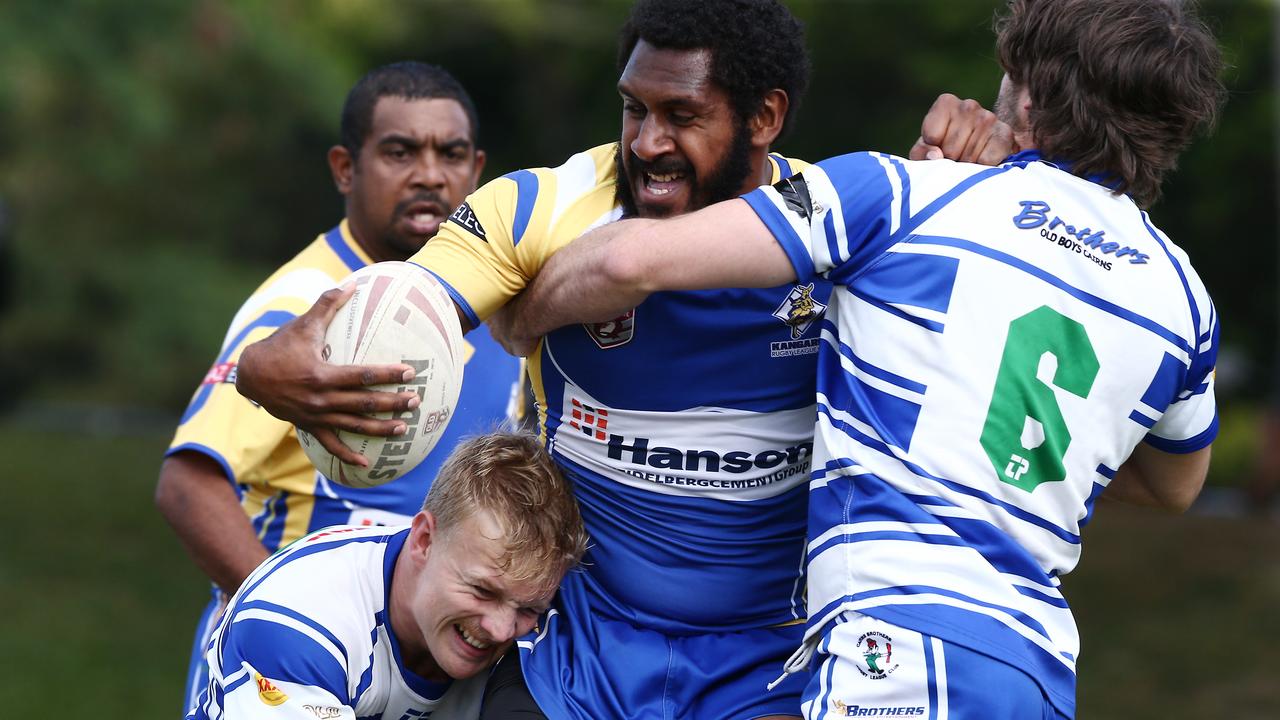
(1118, 87)
(756, 45)
(409, 80)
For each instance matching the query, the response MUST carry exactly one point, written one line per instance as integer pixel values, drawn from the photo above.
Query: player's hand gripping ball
(399, 313)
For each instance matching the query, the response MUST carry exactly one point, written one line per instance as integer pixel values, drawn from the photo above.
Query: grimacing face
(457, 612)
(683, 147)
(415, 167)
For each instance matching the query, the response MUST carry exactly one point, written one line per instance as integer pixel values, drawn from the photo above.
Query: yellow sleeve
(250, 444)
(474, 252)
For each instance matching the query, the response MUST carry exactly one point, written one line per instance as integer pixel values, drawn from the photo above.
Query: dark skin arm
(964, 131)
(285, 374)
(955, 129)
(197, 500)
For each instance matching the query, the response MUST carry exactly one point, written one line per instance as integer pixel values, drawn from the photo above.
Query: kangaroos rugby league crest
(799, 310)
(615, 332)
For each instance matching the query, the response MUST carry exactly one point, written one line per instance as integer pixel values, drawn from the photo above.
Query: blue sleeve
(835, 218)
(282, 653)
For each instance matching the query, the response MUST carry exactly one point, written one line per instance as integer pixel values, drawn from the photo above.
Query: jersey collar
(1029, 156)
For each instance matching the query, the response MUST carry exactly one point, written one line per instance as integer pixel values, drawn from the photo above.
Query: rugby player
(360, 622)
(1002, 346)
(235, 484)
(690, 476)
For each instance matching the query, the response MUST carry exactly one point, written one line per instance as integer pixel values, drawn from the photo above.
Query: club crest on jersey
(613, 333)
(466, 218)
(876, 649)
(799, 310)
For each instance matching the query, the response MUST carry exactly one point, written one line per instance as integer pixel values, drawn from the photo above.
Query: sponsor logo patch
(465, 217)
(268, 693)
(795, 193)
(902, 711)
(1084, 242)
(324, 712)
(877, 655)
(615, 332)
(799, 310)
(589, 420)
(220, 373)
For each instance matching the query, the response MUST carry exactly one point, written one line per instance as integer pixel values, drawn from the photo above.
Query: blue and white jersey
(998, 342)
(308, 636)
(685, 424)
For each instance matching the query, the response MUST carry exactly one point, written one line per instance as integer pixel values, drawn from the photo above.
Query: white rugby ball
(399, 314)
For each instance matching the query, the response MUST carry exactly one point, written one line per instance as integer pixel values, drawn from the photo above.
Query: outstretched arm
(612, 269)
(286, 375)
(1168, 481)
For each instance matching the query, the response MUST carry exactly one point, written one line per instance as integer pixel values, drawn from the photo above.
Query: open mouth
(425, 218)
(470, 639)
(660, 184)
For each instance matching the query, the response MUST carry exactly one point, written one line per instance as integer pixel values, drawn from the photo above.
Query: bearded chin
(724, 182)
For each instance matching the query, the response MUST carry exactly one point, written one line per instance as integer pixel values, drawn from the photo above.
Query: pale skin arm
(1153, 478)
(285, 374)
(197, 500)
(614, 268)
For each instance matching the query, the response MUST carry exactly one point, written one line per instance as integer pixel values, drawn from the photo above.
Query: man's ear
(766, 124)
(342, 166)
(422, 532)
(480, 160)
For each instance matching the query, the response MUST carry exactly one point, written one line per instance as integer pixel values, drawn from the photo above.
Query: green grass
(99, 601)
(1177, 614)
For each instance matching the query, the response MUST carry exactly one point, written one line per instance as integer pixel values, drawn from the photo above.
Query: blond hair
(513, 477)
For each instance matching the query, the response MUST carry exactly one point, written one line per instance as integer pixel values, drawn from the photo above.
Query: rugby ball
(399, 313)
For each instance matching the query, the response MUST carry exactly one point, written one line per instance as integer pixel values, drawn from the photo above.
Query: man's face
(463, 609)
(416, 165)
(683, 147)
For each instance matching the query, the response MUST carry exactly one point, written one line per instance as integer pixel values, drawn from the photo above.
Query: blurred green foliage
(161, 156)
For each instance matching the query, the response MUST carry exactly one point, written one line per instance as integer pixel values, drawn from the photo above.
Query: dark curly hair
(756, 45)
(1118, 87)
(408, 80)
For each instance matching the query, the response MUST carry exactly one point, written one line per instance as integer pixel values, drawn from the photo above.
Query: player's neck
(413, 651)
(761, 170)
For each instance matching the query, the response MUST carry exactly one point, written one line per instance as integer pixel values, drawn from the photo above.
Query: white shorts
(870, 668)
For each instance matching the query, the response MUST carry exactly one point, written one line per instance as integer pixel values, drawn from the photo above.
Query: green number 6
(1025, 435)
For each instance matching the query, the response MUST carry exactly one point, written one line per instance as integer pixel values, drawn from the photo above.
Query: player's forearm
(587, 281)
(202, 508)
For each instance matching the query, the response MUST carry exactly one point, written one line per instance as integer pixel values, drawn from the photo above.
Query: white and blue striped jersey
(999, 341)
(308, 636)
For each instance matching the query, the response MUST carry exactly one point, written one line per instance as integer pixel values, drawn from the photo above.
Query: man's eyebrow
(399, 140)
(455, 144)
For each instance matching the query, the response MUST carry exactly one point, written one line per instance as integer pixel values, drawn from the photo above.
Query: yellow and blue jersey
(686, 426)
(281, 492)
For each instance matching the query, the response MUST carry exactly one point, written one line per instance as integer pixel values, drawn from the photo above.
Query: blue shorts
(197, 667)
(584, 666)
(869, 668)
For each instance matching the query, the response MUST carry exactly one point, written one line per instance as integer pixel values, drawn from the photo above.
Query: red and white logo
(220, 373)
(588, 420)
(615, 332)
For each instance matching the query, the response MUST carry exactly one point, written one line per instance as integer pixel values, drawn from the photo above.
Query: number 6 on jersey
(1025, 435)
